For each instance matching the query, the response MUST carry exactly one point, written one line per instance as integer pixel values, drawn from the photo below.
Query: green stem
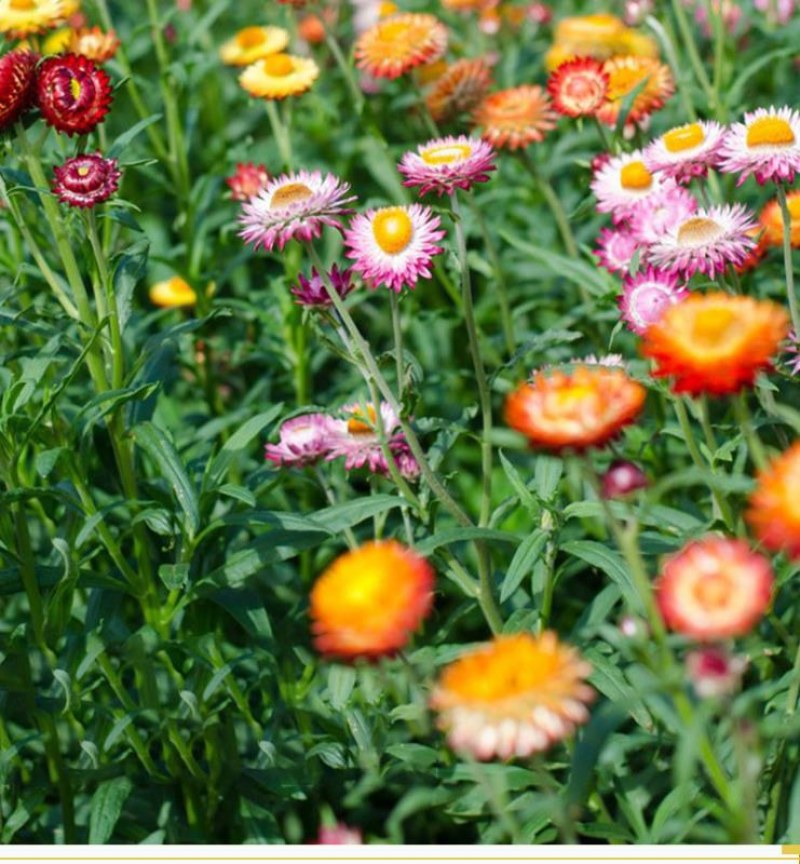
(344, 67)
(668, 44)
(109, 304)
(280, 134)
(757, 452)
(397, 329)
(787, 258)
(330, 495)
(687, 35)
(554, 203)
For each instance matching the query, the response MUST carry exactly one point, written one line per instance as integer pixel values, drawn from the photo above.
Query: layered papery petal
(766, 145)
(446, 164)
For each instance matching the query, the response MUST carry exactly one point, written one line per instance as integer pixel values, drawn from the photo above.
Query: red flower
(74, 95)
(579, 87)
(248, 180)
(86, 180)
(17, 85)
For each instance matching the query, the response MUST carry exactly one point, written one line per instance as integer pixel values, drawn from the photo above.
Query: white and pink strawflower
(624, 182)
(707, 242)
(615, 249)
(687, 151)
(294, 206)
(305, 440)
(653, 218)
(394, 246)
(766, 145)
(446, 164)
(647, 295)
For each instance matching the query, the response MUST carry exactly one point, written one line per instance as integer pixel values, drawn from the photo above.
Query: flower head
(715, 343)
(399, 44)
(646, 295)
(516, 117)
(21, 19)
(621, 479)
(446, 164)
(17, 85)
(173, 292)
(707, 241)
(311, 292)
(295, 205)
(394, 246)
(304, 440)
(248, 180)
(583, 409)
(714, 672)
(714, 588)
(86, 180)
(515, 696)
(766, 144)
(687, 151)
(578, 87)
(252, 44)
(74, 95)
(774, 512)
(625, 182)
(771, 220)
(94, 43)
(615, 249)
(459, 89)
(339, 835)
(657, 214)
(625, 74)
(370, 601)
(278, 76)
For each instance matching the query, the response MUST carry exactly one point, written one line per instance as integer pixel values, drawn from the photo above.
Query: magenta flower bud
(714, 672)
(86, 180)
(621, 479)
(311, 292)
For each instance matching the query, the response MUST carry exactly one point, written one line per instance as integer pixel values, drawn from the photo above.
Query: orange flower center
(289, 194)
(713, 591)
(570, 397)
(392, 229)
(636, 176)
(278, 65)
(623, 81)
(446, 154)
(794, 207)
(23, 5)
(698, 231)
(357, 426)
(250, 37)
(394, 30)
(770, 132)
(713, 327)
(684, 138)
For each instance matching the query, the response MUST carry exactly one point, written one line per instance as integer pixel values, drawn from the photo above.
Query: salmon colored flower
(774, 513)
(248, 180)
(17, 85)
(625, 74)
(74, 94)
(772, 221)
(173, 292)
(514, 696)
(459, 89)
(584, 409)
(21, 18)
(94, 43)
(252, 44)
(515, 118)
(578, 87)
(715, 343)
(714, 588)
(399, 44)
(370, 601)
(279, 76)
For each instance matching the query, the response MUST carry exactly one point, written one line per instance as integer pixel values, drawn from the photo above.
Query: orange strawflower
(714, 588)
(774, 513)
(515, 696)
(311, 28)
(398, 44)
(772, 221)
(94, 43)
(583, 409)
(578, 87)
(515, 118)
(173, 292)
(459, 89)
(279, 76)
(715, 343)
(754, 255)
(370, 600)
(625, 74)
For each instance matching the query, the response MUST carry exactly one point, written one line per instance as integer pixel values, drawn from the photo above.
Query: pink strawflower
(294, 206)
(357, 439)
(778, 11)
(248, 180)
(621, 479)
(714, 672)
(311, 292)
(706, 242)
(636, 11)
(766, 145)
(305, 440)
(339, 835)
(616, 248)
(653, 218)
(394, 246)
(86, 180)
(791, 360)
(687, 151)
(624, 182)
(646, 295)
(446, 164)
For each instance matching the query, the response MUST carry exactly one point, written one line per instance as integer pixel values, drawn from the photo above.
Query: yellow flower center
(393, 30)
(392, 229)
(23, 5)
(446, 154)
(636, 176)
(83, 171)
(715, 327)
(698, 231)
(713, 591)
(75, 88)
(289, 194)
(770, 132)
(570, 398)
(357, 426)
(387, 9)
(684, 138)
(278, 65)
(623, 81)
(250, 37)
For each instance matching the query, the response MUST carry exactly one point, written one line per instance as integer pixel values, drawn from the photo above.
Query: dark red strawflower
(74, 94)
(17, 85)
(86, 180)
(621, 479)
(248, 180)
(311, 292)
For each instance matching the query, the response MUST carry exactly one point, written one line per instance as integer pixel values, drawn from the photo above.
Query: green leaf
(349, 513)
(174, 576)
(106, 808)
(515, 479)
(341, 680)
(461, 535)
(610, 562)
(522, 563)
